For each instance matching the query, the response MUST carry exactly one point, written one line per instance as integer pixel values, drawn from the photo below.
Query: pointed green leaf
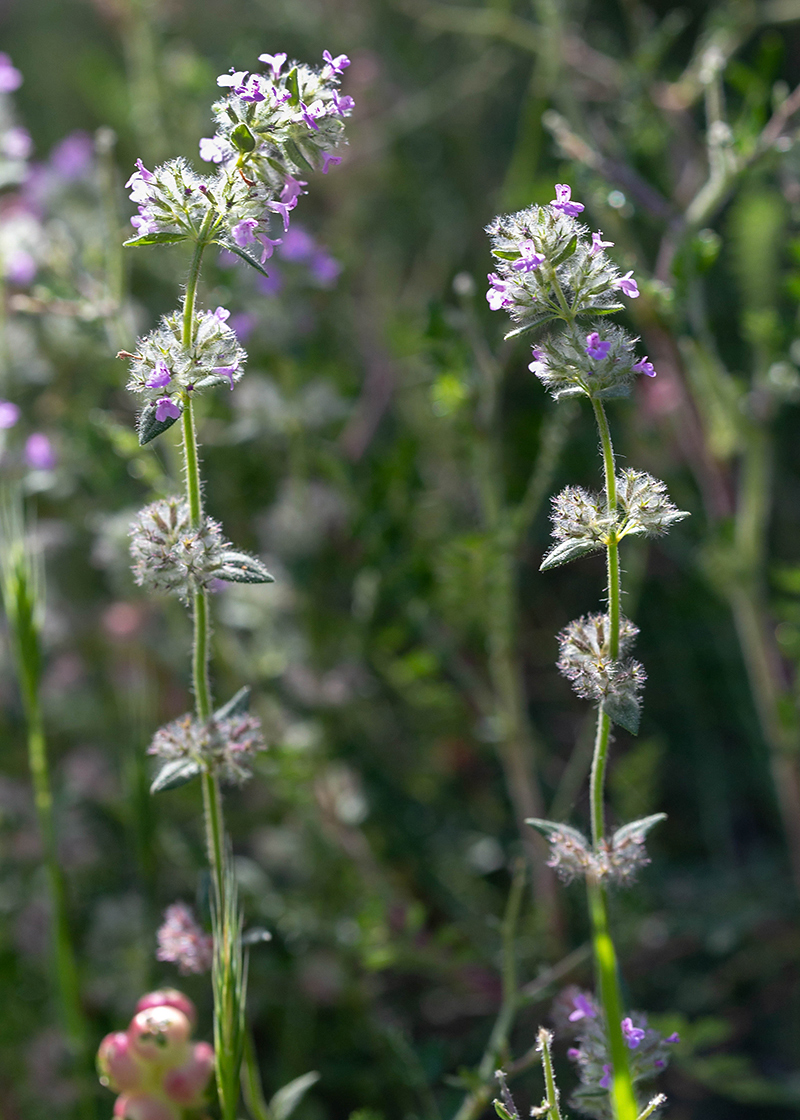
(154, 239)
(175, 773)
(240, 567)
(502, 1111)
(238, 705)
(567, 550)
(567, 251)
(293, 87)
(288, 1097)
(637, 829)
(232, 247)
(506, 256)
(148, 426)
(625, 710)
(242, 138)
(296, 153)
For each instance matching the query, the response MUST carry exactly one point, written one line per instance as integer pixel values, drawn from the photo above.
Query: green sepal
(148, 427)
(566, 252)
(293, 86)
(549, 829)
(232, 247)
(590, 309)
(624, 710)
(567, 550)
(177, 772)
(288, 1097)
(502, 1111)
(242, 138)
(154, 239)
(612, 392)
(238, 705)
(240, 567)
(506, 256)
(636, 829)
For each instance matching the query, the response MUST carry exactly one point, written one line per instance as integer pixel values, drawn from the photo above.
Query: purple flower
(243, 324)
(20, 268)
(292, 189)
(645, 367)
(598, 243)
(39, 453)
(335, 65)
(144, 223)
(498, 295)
(72, 158)
(254, 89)
(228, 371)
(212, 150)
(325, 269)
(530, 259)
(538, 357)
(327, 160)
(584, 1008)
(311, 113)
(243, 233)
(138, 183)
(605, 1080)
(674, 1037)
(627, 285)
(563, 201)
(160, 377)
(233, 79)
(342, 105)
(297, 245)
(274, 61)
(166, 407)
(283, 209)
(10, 77)
(17, 143)
(573, 1053)
(9, 414)
(268, 246)
(596, 347)
(633, 1035)
(182, 941)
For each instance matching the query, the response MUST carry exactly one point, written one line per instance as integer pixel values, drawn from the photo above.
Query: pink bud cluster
(154, 1065)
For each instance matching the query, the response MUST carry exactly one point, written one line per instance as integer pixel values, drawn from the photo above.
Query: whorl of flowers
(154, 1066)
(587, 664)
(172, 555)
(551, 268)
(616, 861)
(645, 504)
(225, 745)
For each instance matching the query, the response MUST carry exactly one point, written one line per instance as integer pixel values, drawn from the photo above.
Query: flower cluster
(181, 941)
(576, 1013)
(270, 129)
(225, 744)
(586, 662)
(645, 504)
(616, 861)
(154, 1066)
(171, 554)
(551, 268)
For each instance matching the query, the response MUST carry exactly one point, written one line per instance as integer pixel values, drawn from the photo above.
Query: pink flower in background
(17, 143)
(73, 157)
(183, 942)
(9, 414)
(39, 453)
(20, 268)
(10, 77)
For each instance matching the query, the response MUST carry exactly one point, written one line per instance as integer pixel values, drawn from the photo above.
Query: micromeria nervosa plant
(553, 274)
(272, 128)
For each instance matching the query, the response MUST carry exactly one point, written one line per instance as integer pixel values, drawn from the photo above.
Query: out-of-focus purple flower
(292, 189)
(17, 143)
(563, 201)
(584, 1008)
(573, 1053)
(674, 1037)
(645, 367)
(327, 160)
(325, 269)
(498, 295)
(39, 453)
(598, 243)
(335, 65)
(274, 61)
(342, 105)
(605, 1080)
(627, 285)
(270, 285)
(283, 209)
(20, 268)
(243, 233)
(72, 157)
(10, 77)
(166, 408)
(160, 377)
(242, 324)
(9, 414)
(530, 259)
(228, 371)
(297, 245)
(211, 150)
(183, 942)
(596, 347)
(633, 1035)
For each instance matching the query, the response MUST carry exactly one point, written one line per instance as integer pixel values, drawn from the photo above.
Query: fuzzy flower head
(586, 662)
(225, 746)
(645, 505)
(182, 941)
(599, 363)
(170, 554)
(615, 861)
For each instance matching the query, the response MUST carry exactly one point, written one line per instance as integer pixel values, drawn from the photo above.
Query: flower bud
(186, 1084)
(144, 1106)
(117, 1068)
(169, 997)
(160, 1034)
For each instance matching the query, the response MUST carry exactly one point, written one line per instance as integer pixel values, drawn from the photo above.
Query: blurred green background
(378, 455)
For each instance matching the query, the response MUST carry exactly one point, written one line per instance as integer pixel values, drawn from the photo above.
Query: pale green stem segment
(553, 1109)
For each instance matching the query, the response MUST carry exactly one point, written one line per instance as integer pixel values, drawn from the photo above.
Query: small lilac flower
(598, 243)
(335, 65)
(627, 285)
(17, 143)
(274, 61)
(596, 347)
(310, 113)
(10, 77)
(633, 1035)
(268, 244)
(270, 285)
(254, 89)
(563, 201)
(645, 367)
(327, 160)
(538, 356)
(166, 408)
(160, 377)
(497, 296)
(283, 209)
(144, 223)
(325, 269)
(20, 268)
(297, 245)
(73, 156)
(228, 371)
(292, 189)
(39, 453)
(243, 233)
(584, 1008)
(183, 942)
(233, 79)
(211, 150)
(674, 1037)
(9, 414)
(342, 105)
(243, 324)
(222, 314)
(659, 1063)
(573, 1053)
(605, 1080)
(530, 259)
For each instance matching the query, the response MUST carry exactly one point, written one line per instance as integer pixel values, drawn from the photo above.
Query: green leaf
(232, 247)
(550, 828)
(296, 153)
(148, 427)
(637, 829)
(506, 256)
(240, 567)
(238, 705)
(242, 138)
(625, 710)
(293, 87)
(175, 773)
(568, 550)
(567, 251)
(154, 239)
(502, 1111)
(590, 308)
(288, 1097)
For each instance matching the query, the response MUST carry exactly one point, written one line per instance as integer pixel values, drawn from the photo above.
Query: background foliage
(378, 456)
